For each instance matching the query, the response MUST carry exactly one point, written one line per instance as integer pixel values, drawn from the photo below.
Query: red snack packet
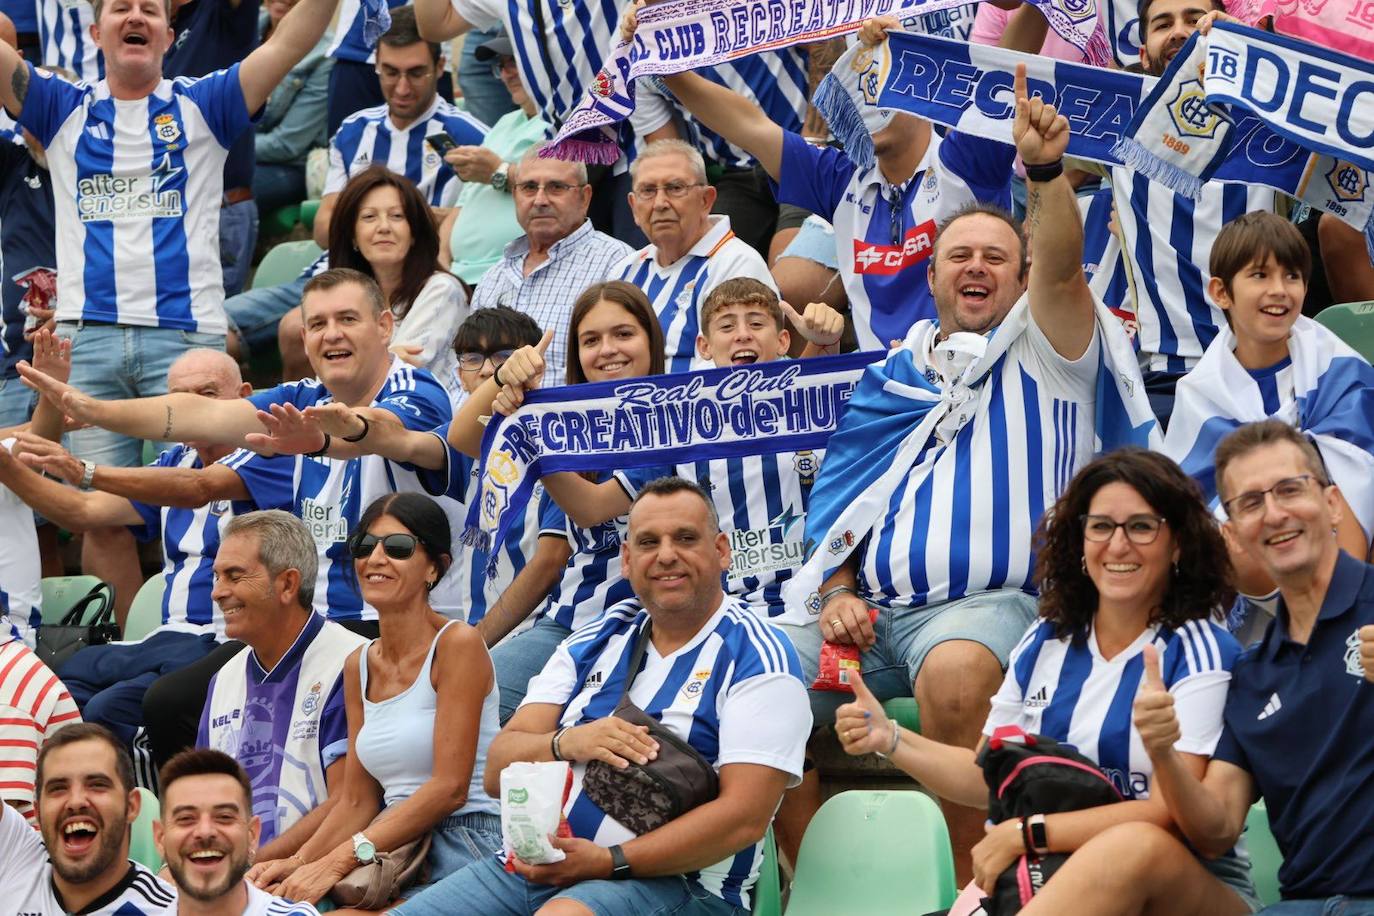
(837, 660)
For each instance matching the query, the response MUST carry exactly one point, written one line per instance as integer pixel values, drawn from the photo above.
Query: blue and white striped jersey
(1275, 384)
(285, 726)
(26, 876)
(966, 526)
(761, 501)
(330, 494)
(369, 137)
(678, 290)
(261, 903)
(1168, 238)
(734, 692)
(64, 32)
(190, 539)
(885, 233)
(21, 568)
(350, 42)
(1064, 689)
(137, 186)
(559, 61)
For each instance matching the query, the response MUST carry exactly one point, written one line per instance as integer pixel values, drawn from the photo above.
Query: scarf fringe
(841, 112)
(1136, 156)
(475, 538)
(598, 150)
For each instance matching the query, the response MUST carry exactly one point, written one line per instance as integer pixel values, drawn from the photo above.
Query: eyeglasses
(414, 74)
(1286, 492)
(1140, 529)
(552, 189)
(473, 360)
(646, 194)
(397, 546)
(497, 66)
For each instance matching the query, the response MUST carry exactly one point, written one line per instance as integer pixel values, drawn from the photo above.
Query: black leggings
(173, 704)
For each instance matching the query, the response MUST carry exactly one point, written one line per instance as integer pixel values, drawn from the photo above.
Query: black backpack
(1032, 774)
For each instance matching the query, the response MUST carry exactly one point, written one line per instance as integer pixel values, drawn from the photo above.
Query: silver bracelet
(896, 740)
(837, 590)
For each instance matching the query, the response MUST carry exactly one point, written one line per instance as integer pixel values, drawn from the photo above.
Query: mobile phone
(441, 143)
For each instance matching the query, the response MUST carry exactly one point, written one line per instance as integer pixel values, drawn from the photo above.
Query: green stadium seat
(280, 221)
(284, 263)
(876, 853)
(61, 593)
(145, 614)
(1265, 857)
(1352, 322)
(309, 208)
(768, 889)
(142, 849)
(906, 713)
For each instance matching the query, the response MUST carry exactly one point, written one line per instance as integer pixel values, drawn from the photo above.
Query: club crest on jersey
(692, 689)
(311, 702)
(1347, 181)
(1352, 655)
(806, 465)
(220, 507)
(840, 542)
(165, 128)
(685, 297)
(813, 604)
(1190, 113)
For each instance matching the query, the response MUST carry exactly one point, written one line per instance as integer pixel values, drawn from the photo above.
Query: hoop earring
(1083, 562)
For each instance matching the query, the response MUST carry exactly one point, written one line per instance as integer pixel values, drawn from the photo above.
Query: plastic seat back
(61, 593)
(142, 849)
(284, 263)
(1352, 322)
(145, 614)
(1265, 857)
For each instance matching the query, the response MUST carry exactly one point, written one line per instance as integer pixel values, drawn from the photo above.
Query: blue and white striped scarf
(681, 35)
(1320, 101)
(778, 406)
(897, 425)
(1334, 406)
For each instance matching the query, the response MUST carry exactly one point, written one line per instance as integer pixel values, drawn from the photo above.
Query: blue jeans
(108, 682)
(486, 96)
(486, 888)
(238, 234)
(522, 657)
(277, 185)
(254, 315)
(456, 842)
(17, 402)
(110, 362)
(996, 619)
(1331, 906)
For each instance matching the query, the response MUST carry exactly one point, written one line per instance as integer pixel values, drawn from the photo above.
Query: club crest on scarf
(1190, 113)
(1347, 181)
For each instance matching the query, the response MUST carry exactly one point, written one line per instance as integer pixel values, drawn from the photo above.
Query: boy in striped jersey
(79, 862)
(715, 675)
(209, 836)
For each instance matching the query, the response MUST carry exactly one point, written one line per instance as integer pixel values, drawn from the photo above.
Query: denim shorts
(521, 657)
(113, 362)
(487, 888)
(1331, 906)
(17, 402)
(996, 619)
(814, 241)
(458, 841)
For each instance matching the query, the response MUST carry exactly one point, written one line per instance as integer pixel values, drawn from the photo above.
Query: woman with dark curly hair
(1132, 571)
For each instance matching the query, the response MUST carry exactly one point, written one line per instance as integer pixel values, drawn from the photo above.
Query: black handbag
(57, 642)
(644, 797)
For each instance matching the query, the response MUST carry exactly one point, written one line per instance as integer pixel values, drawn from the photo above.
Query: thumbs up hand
(1154, 708)
(863, 727)
(521, 373)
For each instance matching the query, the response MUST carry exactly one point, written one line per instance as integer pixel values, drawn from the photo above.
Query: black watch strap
(620, 868)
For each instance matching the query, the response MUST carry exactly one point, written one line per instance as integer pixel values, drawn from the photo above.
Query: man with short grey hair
(283, 691)
(690, 251)
(559, 256)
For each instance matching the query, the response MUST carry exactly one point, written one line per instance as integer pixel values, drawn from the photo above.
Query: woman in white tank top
(422, 710)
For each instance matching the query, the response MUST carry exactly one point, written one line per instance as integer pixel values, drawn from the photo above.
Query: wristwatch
(363, 850)
(87, 474)
(500, 179)
(620, 868)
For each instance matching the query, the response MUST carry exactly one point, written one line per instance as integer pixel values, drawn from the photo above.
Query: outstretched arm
(298, 32)
(439, 21)
(1060, 302)
(68, 507)
(14, 79)
(178, 417)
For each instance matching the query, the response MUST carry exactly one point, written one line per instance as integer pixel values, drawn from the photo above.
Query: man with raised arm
(951, 450)
(137, 173)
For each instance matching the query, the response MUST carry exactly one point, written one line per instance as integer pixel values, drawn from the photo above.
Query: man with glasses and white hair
(277, 707)
(690, 251)
(559, 255)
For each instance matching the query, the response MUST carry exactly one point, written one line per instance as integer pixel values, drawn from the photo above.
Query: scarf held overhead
(682, 35)
(969, 88)
(779, 406)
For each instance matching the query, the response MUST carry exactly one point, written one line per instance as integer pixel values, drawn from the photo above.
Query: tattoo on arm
(1032, 210)
(19, 81)
(167, 431)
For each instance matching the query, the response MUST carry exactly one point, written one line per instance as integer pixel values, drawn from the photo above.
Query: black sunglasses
(396, 546)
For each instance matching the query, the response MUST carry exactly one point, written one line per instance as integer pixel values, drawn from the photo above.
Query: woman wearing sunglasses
(1130, 568)
(422, 710)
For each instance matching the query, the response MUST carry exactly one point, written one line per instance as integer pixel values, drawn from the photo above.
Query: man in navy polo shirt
(1298, 718)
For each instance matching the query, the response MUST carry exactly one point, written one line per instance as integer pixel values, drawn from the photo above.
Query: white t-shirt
(432, 322)
(26, 879)
(261, 903)
(21, 590)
